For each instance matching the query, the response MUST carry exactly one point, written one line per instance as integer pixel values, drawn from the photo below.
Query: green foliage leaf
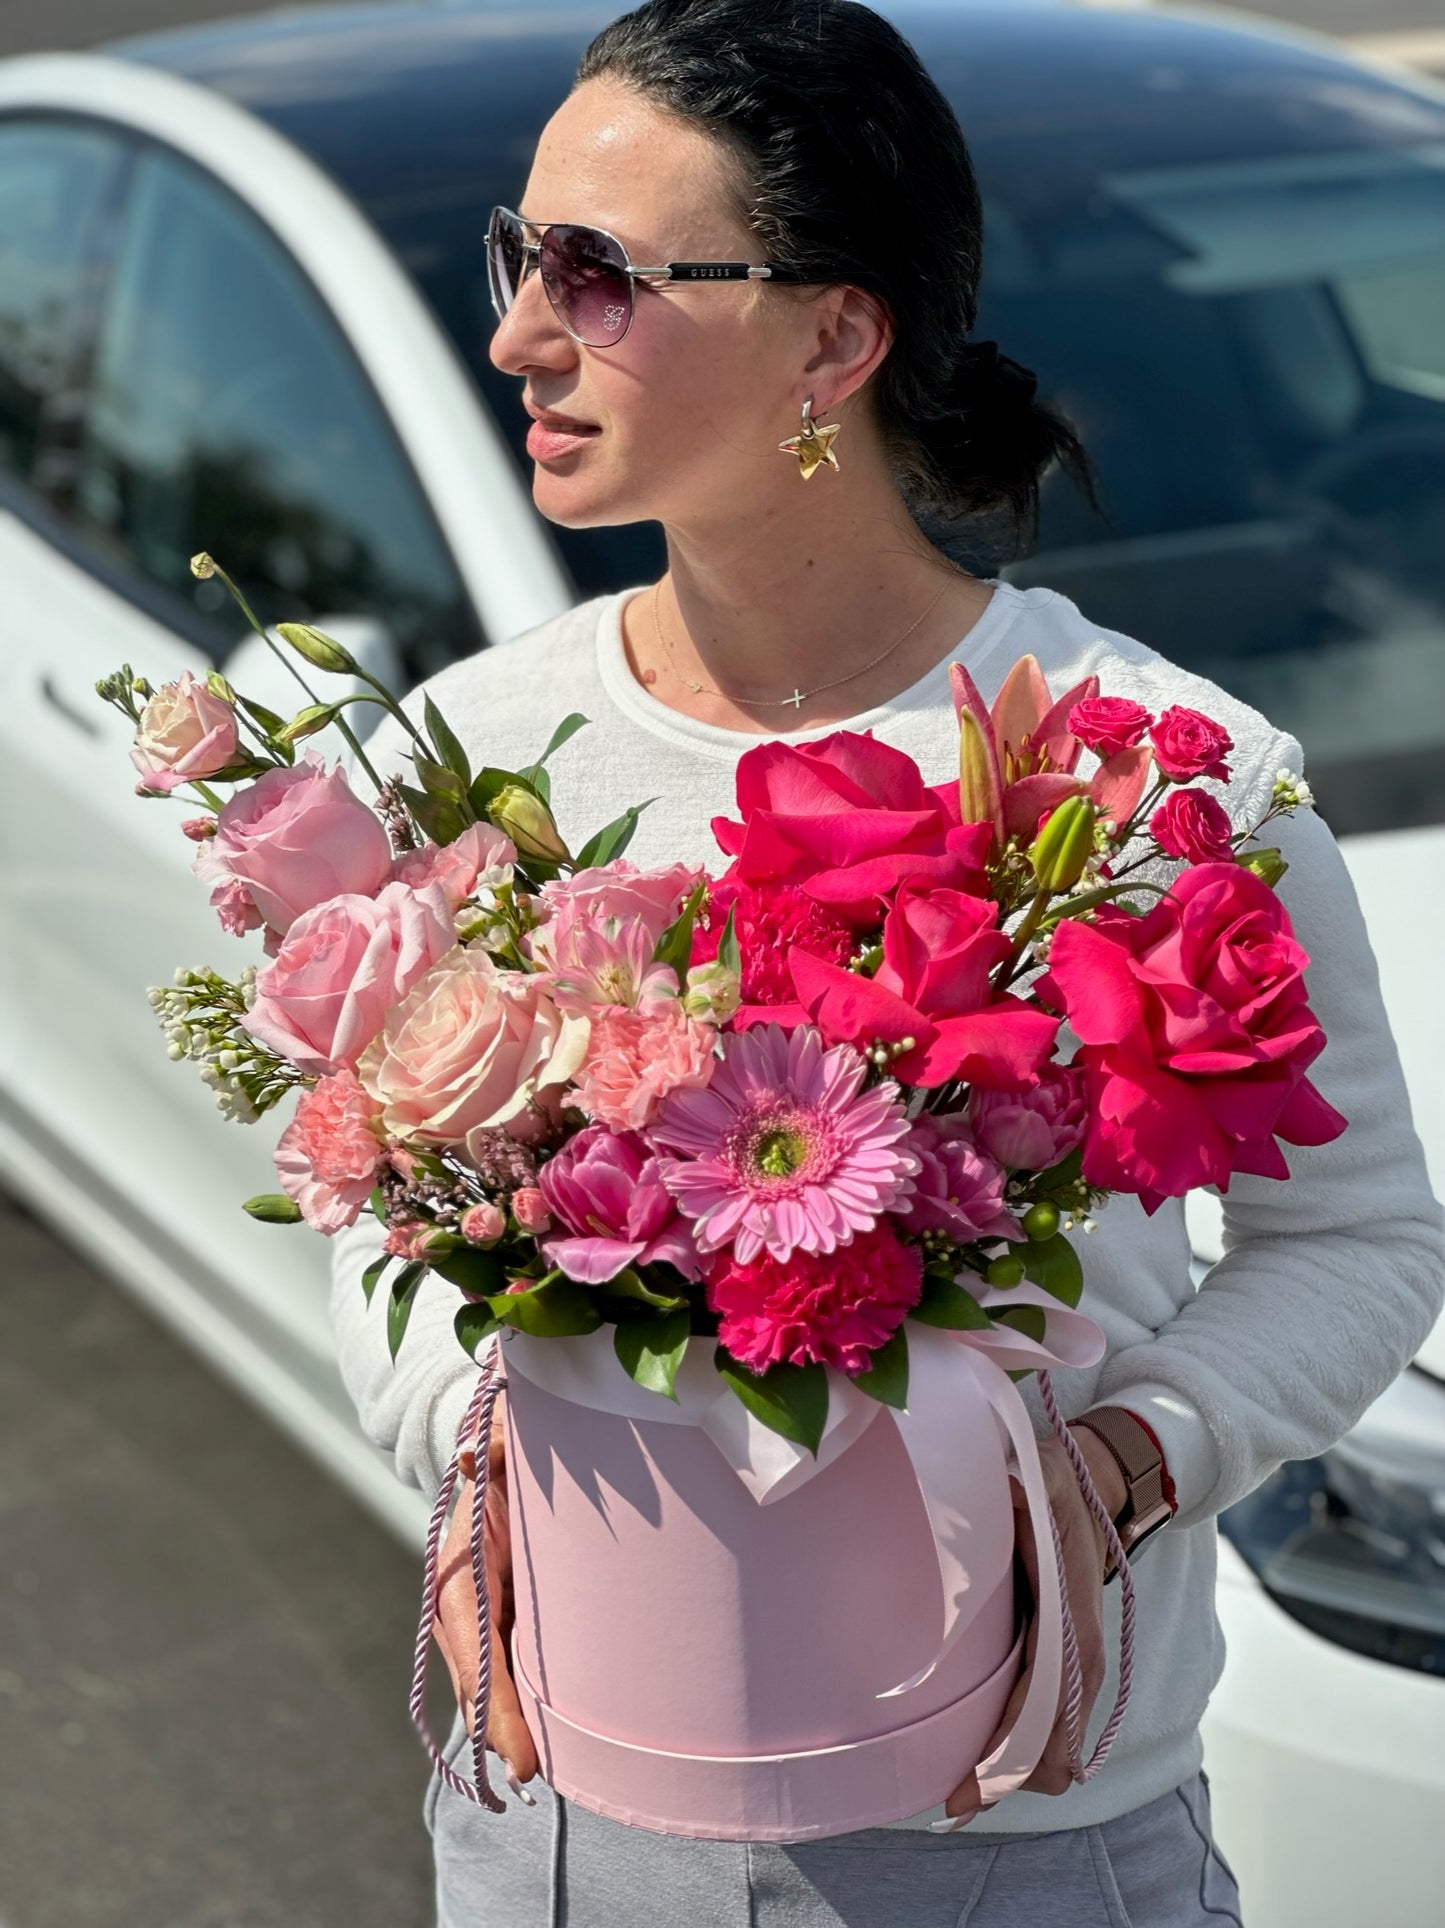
(273, 1208)
(377, 1202)
(569, 726)
(791, 1400)
(651, 1350)
(472, 1324)
(474, 1269)
(445, 743)
(269, 721)
(948, 1304)
(403, 1297)
(887, 1380)
(1054, 1264)
(437, 780)
(440, 817)
(372, 1273)
(614, 839)
(1027, 1319)
(728, 953)
(630, 1285)
(674, 947)
(554, 1308)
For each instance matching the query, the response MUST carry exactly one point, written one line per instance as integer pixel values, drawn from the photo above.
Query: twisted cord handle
(478, 1420)
(1073, 1673)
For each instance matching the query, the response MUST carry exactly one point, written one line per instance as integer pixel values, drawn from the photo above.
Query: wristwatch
(1150, 1503)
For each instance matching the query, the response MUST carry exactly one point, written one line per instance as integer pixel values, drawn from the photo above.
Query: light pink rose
(289, 841)
(470, 1044)
(636, 1057)
(328, 1156)
(340, 969)
(480, 855)
(184, 732)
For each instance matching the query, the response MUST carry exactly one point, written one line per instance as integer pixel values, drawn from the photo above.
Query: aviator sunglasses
(587, 276)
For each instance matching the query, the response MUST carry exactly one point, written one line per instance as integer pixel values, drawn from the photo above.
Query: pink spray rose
(184, 732)
(1032, 1130)
(481, 857)
(328, 1156)
(833, 1308)
(470, 1044)
(340, 969)
(1193, 825)
(482, 1224)
(1197, 1034)
(529, 1208)
(1108, 724)
(606, 1193)
(1188, 744)
(291, 840)
(635, 1057)
(960, 1188)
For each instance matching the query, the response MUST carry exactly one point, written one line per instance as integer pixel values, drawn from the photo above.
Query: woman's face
(690, 405)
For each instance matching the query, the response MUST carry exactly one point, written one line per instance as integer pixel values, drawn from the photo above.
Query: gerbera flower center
(779, 1153)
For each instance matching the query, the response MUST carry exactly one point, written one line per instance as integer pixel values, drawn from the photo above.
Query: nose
(529, 335)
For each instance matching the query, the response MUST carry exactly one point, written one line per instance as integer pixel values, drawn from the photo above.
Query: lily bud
(317, 647)
(529, 823)
(1266, 864)
(1062, 849)
(978, 789)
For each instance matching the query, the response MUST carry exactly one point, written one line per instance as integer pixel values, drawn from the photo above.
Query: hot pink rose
(1193, 825)
(635, 1057)
(1188, 744)
(960, 1188)
(480, 854)
(1108, 724)
(340, 969)
(847, 819)
(606, 1192)
(328, 1156)
(1032, 1130)
(184, 732)
(468, 1045)
(1197, 1033)
(832, 1308)
(289, 841)
(940, 947)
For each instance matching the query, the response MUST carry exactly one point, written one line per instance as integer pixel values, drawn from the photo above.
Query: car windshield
(1255, 355)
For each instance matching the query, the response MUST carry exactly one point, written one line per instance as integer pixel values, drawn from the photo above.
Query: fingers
(507, 1731)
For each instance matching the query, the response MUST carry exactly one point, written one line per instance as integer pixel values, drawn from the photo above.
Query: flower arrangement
(785, 1110)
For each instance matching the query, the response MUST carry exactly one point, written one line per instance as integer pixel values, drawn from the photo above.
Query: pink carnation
(1193, 825)
(329, 1155)
(830, 1308)
(480, 857)
(635, 1057)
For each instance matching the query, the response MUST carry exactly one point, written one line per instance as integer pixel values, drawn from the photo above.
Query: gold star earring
(813, 445)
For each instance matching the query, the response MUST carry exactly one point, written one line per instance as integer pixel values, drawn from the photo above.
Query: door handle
(81, 721)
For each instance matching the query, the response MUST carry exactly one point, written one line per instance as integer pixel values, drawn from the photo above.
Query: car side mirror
(255, 669)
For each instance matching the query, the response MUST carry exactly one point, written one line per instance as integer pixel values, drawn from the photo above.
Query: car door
(223, 410)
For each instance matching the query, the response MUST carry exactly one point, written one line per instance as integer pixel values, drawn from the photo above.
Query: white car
(243, 307)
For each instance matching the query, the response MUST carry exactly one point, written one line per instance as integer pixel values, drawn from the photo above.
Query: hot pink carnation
(770, 922)
(329, 1155)
(636, 1057)
(783, 1151)
(832, 1309)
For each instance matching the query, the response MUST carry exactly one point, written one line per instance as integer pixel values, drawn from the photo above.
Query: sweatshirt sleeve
(1331, 1279)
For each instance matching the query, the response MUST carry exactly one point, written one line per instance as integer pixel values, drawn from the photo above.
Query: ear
(854, 331)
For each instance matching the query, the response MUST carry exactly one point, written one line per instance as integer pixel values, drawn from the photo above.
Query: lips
(560, 424)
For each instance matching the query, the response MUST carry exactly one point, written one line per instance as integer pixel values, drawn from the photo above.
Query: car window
(55, 180)
(1252, 352)
(228, 413)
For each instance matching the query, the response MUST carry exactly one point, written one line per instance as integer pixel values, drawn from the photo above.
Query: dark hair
(853, 167)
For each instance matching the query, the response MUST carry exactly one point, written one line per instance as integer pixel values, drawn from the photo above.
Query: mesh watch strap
(1150, 1503)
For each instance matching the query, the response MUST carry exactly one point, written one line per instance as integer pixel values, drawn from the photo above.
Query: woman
(791, 433)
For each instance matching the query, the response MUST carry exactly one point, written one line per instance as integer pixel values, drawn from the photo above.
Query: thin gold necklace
(798, 697)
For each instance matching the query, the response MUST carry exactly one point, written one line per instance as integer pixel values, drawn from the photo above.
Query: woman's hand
(1081, 1540)
(455, 1625)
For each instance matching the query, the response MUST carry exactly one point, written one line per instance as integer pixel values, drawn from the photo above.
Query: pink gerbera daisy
(781, 1151)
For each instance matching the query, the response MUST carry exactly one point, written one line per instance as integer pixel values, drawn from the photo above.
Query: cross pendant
(796, 699)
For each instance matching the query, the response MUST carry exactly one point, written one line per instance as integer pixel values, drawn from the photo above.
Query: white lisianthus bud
(202, 567)
(713, 992)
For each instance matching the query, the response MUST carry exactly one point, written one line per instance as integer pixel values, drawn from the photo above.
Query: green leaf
(630, 1285)
(1027, 1319)
(377, 1202)
(887, 1379)
(269, 721)
(488, 784)
(554, 1308)
(651, 1350)
(403, 1297)
(674, 947)
(440, 817)
(542, 784)
(1062, 1176)
(372, 1273)
(728, 953)
(569, 726)
(445, 743)
(472, 1324)
(474, 1269)
(946, 1303)
(438, 780)
(273, 1208)
(613, 840)
(791, 1400)
(1054, 1264)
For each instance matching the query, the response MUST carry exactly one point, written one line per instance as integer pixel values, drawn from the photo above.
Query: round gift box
(696, 1661)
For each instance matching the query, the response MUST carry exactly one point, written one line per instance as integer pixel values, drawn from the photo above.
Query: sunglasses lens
(504, 259)
(585, 275)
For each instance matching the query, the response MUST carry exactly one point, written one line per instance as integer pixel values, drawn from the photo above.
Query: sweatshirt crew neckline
(716, 740)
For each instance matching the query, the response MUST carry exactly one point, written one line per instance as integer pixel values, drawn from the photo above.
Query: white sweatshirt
(1329, 1282)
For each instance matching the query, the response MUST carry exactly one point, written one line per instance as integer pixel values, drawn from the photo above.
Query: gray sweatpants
(559, 1865)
